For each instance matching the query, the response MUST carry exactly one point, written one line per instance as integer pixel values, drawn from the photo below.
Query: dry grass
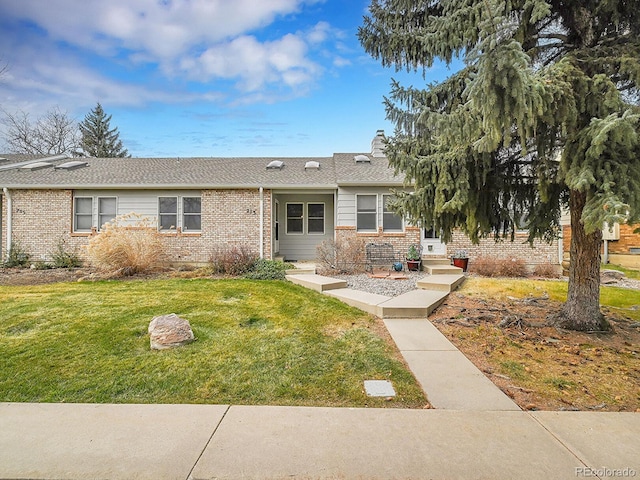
(128, 245)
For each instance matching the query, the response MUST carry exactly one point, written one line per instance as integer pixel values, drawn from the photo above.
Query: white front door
(431, 244)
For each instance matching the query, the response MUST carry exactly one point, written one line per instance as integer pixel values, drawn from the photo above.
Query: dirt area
(542, 367)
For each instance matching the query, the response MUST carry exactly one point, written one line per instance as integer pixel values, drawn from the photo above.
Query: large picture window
(366, 217)
(315, 218)
(167, 213)
(191, 214)
(295, 221)
(82, 214)
(391, 221)
(107, 208)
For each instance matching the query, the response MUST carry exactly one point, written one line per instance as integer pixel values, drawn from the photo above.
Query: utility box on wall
(611, 234)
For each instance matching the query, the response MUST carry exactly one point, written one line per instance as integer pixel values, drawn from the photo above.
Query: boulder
(168, 331)
(608, 277)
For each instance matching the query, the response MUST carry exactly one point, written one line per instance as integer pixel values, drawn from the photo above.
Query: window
(391, 221)
(106, 210)
(366, 218)
(315, 218)
(167, 213)
(82, 214)
(294, 218)
(191, 214)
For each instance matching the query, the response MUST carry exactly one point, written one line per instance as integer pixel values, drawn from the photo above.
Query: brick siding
(540, 253)
(43, 218)
(400, 241)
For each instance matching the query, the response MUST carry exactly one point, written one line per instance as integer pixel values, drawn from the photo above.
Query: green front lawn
(258, 342)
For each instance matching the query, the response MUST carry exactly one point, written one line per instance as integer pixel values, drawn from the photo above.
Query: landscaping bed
(503, 326)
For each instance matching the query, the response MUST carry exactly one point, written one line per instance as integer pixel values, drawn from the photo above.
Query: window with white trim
(191, 214)
(107, 210)
(82, 214)
(315, 218)
(366, 213)
(295, 218)
(167, 213)
(391, 221)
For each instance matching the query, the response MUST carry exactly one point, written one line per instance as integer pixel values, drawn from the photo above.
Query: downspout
(9, 218)
(261, 222)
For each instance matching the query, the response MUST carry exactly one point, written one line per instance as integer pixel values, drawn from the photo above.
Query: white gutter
(261, 222)
(9, 218)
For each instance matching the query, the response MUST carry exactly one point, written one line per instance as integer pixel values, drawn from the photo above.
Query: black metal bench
(381, 255)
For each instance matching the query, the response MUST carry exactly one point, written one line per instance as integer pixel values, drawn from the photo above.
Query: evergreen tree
(543, 115)
(98, 138)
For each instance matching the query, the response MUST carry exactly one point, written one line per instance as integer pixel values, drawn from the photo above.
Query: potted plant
(460, 259)
(414, 259)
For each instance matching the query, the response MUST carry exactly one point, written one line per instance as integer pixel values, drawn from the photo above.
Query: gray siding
(141, 202)
(303, 246)
(347, 203)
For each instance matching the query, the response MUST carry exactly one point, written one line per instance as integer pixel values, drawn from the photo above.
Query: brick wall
(43, 218)
(541, 252)
(400, 241)
(620, 248)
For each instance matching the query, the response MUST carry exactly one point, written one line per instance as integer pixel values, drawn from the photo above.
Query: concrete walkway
(189, 442)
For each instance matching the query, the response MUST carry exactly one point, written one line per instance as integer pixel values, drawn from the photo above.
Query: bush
(268, 270)
(342, 256)
(127, 245)
(499, 267)
(547, 270)
(17, 256)
(62, 258)
(232, 260)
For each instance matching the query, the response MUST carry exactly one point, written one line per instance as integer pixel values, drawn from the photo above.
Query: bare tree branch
(52, 134)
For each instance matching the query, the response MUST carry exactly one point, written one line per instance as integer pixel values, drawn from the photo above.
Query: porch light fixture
(275, 165)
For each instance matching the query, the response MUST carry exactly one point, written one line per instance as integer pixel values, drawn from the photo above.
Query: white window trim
(181, 202)
(324, 218)
(177, 214)
(402, 222)
(98, 213)
(358, 230)
(75, 223)
(286, 219)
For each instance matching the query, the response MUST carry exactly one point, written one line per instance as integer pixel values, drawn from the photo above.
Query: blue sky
(202, 77)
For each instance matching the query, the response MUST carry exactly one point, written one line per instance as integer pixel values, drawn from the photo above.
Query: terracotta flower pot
(462, 263)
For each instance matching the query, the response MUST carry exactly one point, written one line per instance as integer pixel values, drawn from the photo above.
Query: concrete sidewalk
(67, 441)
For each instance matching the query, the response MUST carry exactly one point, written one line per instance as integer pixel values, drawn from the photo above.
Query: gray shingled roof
(130, 173)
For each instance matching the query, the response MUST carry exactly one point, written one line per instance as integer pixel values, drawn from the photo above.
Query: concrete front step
(315, 282)
(442, 270)
(427, 260)
(444, 282)
(365, 301)
(414, 304)
(301, 271)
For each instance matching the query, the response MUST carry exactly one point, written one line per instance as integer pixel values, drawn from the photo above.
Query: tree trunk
(582, 309)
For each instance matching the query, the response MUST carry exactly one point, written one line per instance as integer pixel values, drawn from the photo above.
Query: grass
(621, 300)
(628, 272)
(257, 342)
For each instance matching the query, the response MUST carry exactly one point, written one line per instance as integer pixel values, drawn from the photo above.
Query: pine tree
(98, 138)
(543, 115)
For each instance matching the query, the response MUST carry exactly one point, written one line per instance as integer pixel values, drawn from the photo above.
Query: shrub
(127, 245)
(17, 256)
(268, 270)
(61, 258)
(342, 256)
(499, 267)
(547, 270)
(232, 260)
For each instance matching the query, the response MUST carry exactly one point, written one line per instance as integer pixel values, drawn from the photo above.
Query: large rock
(168, 331)
(608, 277)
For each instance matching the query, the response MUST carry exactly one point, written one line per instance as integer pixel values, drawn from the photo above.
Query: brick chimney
(377, 144)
